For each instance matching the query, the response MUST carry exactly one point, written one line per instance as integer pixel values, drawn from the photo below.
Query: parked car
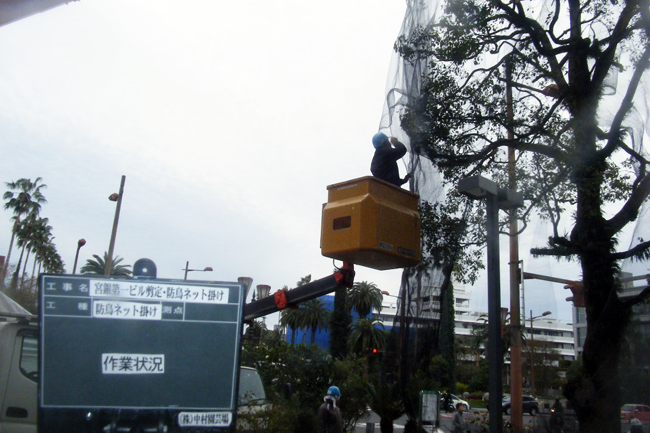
(638, 411)
(450, 405)
(529, 402)
(455, 400)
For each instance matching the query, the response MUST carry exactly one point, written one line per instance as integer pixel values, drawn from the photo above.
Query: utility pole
(117, 198)
(516, 404)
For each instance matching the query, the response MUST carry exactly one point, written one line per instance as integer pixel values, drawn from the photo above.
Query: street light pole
(532, 350)
(516, 406)
(187, 269)
(111, 245)
(495, 346)
(80, 244)
(478, 187)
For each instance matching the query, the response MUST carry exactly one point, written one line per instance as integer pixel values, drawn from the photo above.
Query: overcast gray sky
(229, 120)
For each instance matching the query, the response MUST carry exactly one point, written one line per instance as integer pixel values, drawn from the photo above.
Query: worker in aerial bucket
(384, 162)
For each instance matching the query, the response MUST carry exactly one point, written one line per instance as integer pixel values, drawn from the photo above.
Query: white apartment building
(641, 312)
(558, 334)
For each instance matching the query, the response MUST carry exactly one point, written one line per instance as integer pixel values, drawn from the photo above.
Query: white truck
(19, 375)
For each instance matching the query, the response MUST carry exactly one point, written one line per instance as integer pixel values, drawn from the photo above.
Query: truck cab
(18, 373)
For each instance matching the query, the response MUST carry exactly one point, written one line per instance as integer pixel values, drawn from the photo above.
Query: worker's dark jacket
(329, 419)
(384, 163)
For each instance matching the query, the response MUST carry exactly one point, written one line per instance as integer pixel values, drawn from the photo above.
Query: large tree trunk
(596, 395)
(22, 280)
(14, 280)
(11, 245)
(386, 425)
(34, 266)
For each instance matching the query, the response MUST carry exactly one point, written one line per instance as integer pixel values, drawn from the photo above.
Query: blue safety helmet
(379, 139)
(334, 391)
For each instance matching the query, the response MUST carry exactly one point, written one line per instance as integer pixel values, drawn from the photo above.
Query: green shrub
(277, 418)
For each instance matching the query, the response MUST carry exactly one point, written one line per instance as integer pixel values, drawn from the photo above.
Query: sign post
(155, 354)
(429, 410)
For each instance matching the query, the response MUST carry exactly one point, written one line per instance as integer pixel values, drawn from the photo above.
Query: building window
(582, 336)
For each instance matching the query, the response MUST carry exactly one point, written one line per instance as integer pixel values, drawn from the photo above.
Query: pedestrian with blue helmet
(384, 162)
(329, 415)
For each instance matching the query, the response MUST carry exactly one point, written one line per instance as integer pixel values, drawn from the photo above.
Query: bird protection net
(425, 309)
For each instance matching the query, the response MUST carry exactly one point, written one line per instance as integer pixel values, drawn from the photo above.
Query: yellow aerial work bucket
(371, 223)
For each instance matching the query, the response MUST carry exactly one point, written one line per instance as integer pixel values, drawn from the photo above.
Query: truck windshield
(251, 390)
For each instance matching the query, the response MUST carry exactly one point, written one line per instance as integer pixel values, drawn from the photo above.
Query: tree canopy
(24, 198)
(560, 85)
(97, 266)
(363, 297)
(33, 234)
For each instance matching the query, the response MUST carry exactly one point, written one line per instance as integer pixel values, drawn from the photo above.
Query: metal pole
(187, 266)
(532, 356)
(516, 405)
(111, 246)
(495, 347)
(80, 244)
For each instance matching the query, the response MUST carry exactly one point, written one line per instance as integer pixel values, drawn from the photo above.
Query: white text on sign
(130, 363)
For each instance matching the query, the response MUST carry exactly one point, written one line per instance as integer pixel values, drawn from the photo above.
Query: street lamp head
(263, 291)
(546, 313)
(510, 199)
(385, 292)
(81, 242)
(114, 196)
(187, 269)
(477, 187)
(247, 282)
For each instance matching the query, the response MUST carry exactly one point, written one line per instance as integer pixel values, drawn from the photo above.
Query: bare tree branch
(638, 251)
(630, 210)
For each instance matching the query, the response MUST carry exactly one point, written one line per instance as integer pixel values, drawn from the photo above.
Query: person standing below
(458, 424)
(384, 162)
(329, 415)
(636, 426)
(557, 416)
(447, 404)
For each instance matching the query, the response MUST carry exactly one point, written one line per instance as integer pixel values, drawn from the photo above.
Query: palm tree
(385, 399)
(42, 256)
(255, 331)
(478, 343)
(29, 228)
(40, 235)
(291, 318)
(98, 266)
(24, 197)
(315, 316)
(51, 260)
(294, 318)
(366, 335)
(363, 297)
